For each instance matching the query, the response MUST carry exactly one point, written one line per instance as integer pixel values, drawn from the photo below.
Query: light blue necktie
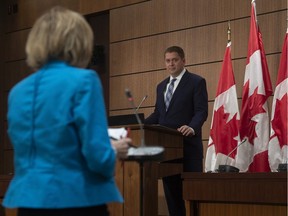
(169, 93)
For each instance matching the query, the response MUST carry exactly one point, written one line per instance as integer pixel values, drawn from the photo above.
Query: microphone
(131, 100)
(144, 98)
(229, 168)
(282, 167)
(143, 152)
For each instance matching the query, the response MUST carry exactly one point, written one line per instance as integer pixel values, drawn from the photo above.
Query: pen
(112, 138)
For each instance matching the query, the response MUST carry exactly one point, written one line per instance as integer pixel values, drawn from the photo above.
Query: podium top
(121, 120)
(154, 127)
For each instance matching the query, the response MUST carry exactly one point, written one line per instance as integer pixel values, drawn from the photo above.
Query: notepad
(117, 133)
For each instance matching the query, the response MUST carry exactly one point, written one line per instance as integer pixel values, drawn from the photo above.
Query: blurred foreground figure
(64, 161)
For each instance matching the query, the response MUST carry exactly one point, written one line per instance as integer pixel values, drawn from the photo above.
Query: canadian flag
(278, 146)
(224, 133)
(252, 155)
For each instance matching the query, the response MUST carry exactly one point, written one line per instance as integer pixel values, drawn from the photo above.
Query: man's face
(174, 64)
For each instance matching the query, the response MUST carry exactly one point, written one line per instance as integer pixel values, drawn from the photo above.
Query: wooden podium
(128, 173)
(237, 194)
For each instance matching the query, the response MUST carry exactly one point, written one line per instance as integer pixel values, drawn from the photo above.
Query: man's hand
(186, 130)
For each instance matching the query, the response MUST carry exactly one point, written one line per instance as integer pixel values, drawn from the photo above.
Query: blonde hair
(60, 34)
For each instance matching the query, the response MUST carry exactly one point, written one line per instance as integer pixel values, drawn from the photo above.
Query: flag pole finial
(253, 3)
(229, 32)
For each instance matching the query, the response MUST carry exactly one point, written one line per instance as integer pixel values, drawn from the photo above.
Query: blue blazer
(62, 153)
(188, 106)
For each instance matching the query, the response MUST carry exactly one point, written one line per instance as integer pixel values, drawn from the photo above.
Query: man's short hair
(176, 49)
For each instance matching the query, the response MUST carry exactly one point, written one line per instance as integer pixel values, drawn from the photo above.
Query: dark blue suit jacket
(188, 106)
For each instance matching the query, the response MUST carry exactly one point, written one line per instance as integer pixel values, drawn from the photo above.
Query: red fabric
(254, 122)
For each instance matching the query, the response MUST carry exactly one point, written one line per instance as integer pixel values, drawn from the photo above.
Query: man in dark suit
(182, 104)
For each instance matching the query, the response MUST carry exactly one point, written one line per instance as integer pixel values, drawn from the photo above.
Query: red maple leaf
(251, 106)
(223, 133)
(279, 123)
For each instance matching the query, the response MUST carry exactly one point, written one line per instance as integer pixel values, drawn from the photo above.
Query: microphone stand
(282, 167)
(130, 98)
(144, 98)
(229, 168)
(142, 153)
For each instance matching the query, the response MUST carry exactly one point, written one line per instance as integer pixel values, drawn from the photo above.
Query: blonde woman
(64, 161)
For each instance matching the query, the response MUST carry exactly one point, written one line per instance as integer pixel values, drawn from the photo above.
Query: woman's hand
(121, 146)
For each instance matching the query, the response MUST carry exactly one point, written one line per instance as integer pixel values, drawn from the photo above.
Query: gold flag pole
(229, 32)
(287, 22)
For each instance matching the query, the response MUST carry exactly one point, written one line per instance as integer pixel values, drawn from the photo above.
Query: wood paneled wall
(89, 7)
(28, 11)
(140, 31)
(17, 17)
(2, 98)
(139, 34)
